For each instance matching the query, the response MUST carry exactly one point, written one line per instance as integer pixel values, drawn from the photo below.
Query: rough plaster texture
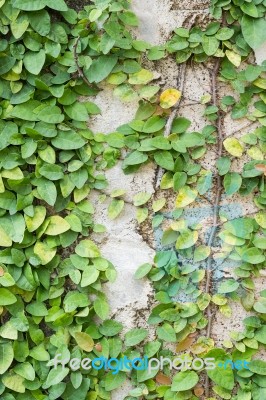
(124, 243)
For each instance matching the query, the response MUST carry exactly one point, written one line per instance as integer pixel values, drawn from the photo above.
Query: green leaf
(84, 341)
(57, 225)
(44, 252)
(135, 158)
(240, 227)
(167, 333)
(47, 190)
(34, 61)
(184, 381)
(186, 239)
(135, 336)
(40, 22)
(14, 227)
(86, 248)
(110, 328)
(142, 271)
(6, 297)
(153, 124)
(77, 111)
(25, 370)
(228, 286)
(112, 382)
(232, 182)
(101, 67)
(260, 335)
(74, 299)
(29, 5)
(7, 63)
(52, 172)
(164, 159)
(204, 182)
(68, 140)
(129, 18)
(258, 367)
(55, 376)
(201, 253)
(58, 5)
(260, 305)
(210, 45)
(37, 309)
(222, 377)
(89, 276)
(115, 208)
(141, 198)
(6, 356)
(51, 115)
(253, 256)
(19, 26)
(14, 382)
(141, 77)
(254, 31)
(101, 307)
(223, 164)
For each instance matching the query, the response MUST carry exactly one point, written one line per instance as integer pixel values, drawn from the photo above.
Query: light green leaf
(164, 159)
(254, 31)
(34, 61)
(186, 239)
(44, 252)
(29, 5)
(167, 333)
(142, 271)
(68, 140)
(14, 382)
(6, 356)
(112, 381)
(84, 341)
(184, 381)
(55, 376)
(141, 198)
(232, 182)
(86, 248)
(234, 147)
(135, 336)
(47, 190)
(185, 197)
(57, 225)
(201, 253)
(115, 208)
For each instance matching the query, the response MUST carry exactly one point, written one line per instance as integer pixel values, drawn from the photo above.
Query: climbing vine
(51, 271)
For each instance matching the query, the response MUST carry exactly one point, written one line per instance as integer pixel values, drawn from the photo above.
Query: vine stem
(80, 71)
(181, 85)
(216, 206)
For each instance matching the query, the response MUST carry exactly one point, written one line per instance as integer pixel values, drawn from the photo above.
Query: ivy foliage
(51, 272)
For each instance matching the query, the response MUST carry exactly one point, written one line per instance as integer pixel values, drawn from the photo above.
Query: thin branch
(216, 207)
(80, 71)
(169, 124)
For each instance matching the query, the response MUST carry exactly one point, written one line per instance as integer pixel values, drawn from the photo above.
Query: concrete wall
(125, 243)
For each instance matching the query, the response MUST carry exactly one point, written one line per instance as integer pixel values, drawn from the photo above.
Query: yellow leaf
(233, 57)
(185, 197)
(84, 341)
(169, 98)
(234, 147)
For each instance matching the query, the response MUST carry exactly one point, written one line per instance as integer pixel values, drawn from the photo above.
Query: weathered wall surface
(125, 243)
